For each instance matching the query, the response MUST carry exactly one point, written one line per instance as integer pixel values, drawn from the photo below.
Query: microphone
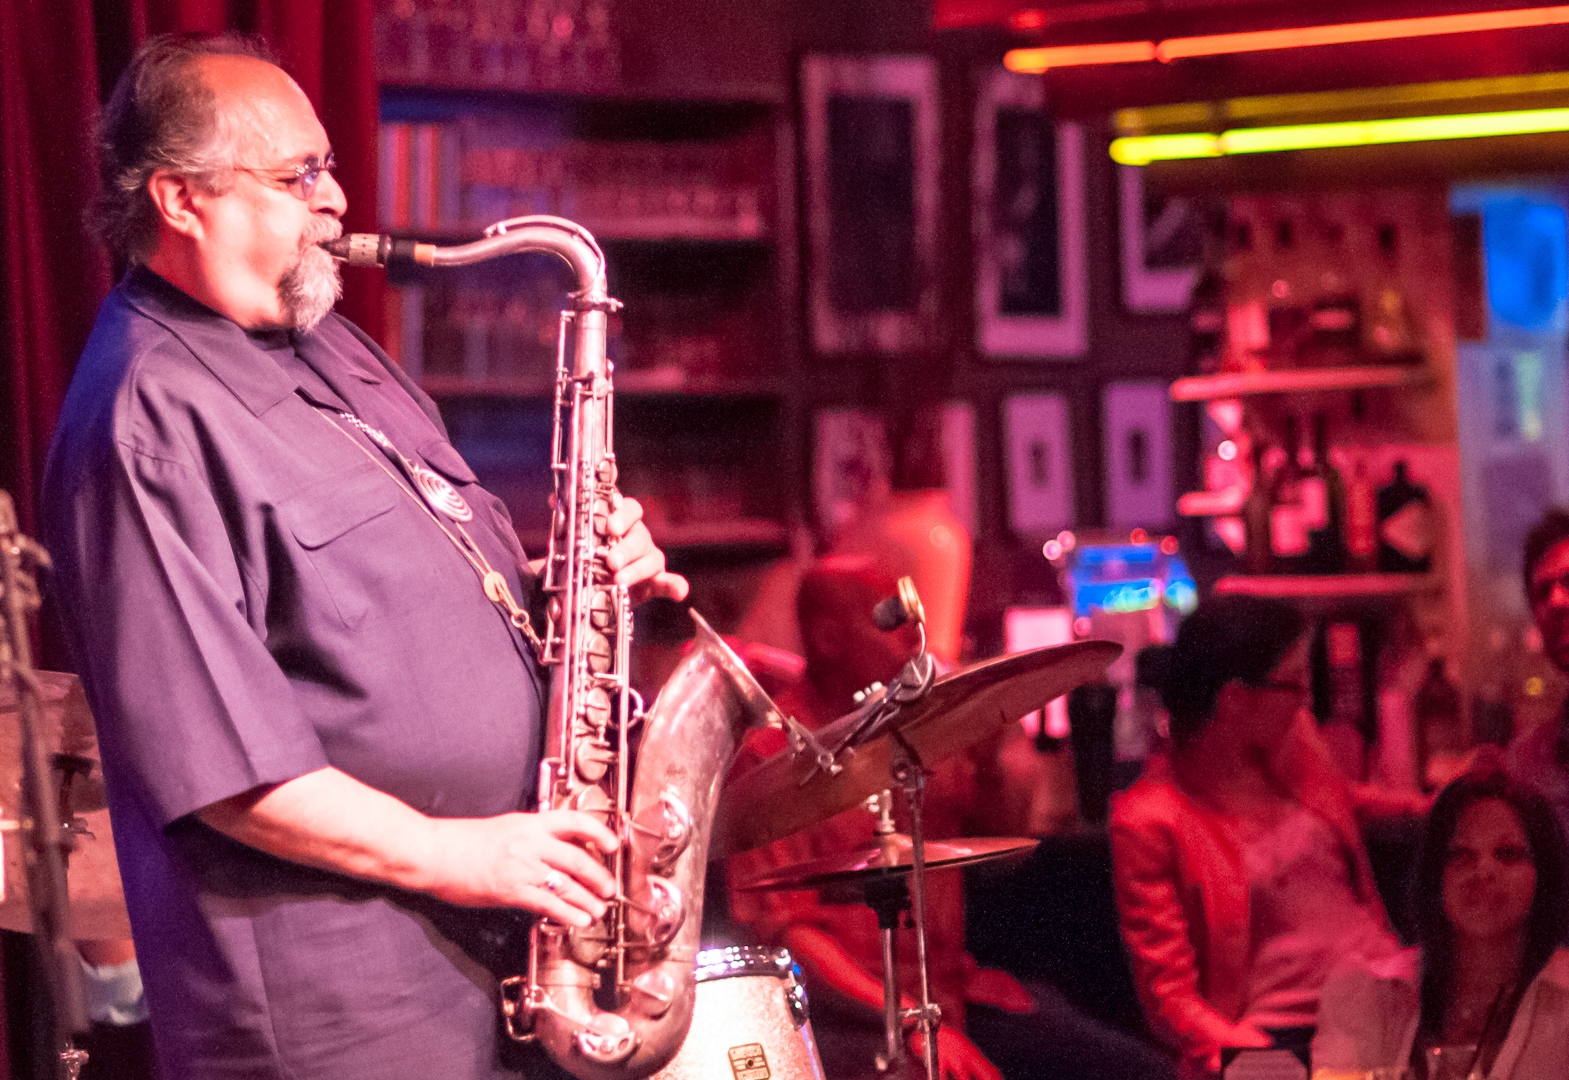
(371, 249)
(894, 612)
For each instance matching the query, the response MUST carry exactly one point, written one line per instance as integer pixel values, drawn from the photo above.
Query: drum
(749, 1021)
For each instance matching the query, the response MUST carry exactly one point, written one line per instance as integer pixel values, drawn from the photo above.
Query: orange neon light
(1035, 61)
(1349, 33)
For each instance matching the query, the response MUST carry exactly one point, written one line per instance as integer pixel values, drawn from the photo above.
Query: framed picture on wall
(1137, 454)
(1028, 220)
(1037, 438)
(1162, 244)
(870, 143)
(851, 465)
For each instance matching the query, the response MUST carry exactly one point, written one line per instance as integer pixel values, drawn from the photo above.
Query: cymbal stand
(46, 841)
(907, 772)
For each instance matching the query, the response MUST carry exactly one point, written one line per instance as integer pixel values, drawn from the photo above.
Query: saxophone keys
(598, 652)
(653, 992)
(607, 1039)
(592, 760)
(602, 610)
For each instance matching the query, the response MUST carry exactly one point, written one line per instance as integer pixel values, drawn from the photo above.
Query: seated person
(835, 938)
(1540, 756)
(1491, 975)
(1240, 873)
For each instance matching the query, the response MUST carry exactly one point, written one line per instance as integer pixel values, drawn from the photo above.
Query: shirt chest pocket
(348, 533)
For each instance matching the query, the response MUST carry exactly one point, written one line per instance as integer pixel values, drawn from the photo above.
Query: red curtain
(60, 55)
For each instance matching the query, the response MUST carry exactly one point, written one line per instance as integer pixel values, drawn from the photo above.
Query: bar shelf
(1327, 586)
(1298, 380)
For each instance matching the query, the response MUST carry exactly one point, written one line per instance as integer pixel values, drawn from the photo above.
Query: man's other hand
(634, 559)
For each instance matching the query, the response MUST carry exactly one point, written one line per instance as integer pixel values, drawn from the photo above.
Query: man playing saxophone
(320, 734)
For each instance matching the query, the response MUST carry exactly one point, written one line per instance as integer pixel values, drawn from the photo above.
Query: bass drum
(749, 1020)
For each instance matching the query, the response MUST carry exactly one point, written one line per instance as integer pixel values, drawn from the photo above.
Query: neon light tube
(1036, 61)
(1349, 33)
(1143, 149)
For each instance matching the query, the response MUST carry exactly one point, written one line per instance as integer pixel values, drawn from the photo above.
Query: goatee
(310, 286)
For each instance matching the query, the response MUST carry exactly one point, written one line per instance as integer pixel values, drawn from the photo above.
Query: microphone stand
(46, 843)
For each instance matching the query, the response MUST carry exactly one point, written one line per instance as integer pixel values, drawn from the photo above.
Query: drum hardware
(789, 791)
(893, 727)
(45, 844)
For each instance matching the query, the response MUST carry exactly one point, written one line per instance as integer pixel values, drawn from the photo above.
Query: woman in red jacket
(1241, 877)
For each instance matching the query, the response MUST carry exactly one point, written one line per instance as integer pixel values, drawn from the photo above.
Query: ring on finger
(552, 882)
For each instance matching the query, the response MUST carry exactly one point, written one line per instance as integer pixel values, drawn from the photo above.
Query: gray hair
(162, 115)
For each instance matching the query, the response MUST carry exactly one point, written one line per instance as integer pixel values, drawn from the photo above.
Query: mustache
(321, 227)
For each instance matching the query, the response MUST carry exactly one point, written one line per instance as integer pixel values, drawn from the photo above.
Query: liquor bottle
(1407, 532)
(1256, 517)
(1289, 508)
(1389, 337)
(1287, 303)
(1325, 497)
(1492, 709)
(1207, 322)
(1335, 317)
(1361, 518)
(1344, 692)
(1436, 712)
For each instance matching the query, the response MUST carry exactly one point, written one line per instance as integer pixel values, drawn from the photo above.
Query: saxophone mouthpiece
(372, 249)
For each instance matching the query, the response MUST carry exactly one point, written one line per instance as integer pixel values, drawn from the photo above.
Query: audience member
(1540, 757)
(1240, 874)
(1491, 975)
(991, 1025)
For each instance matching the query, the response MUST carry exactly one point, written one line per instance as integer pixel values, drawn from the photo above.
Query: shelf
(1327, 586)
(636, 382)
(465, 93)
(1298, 380)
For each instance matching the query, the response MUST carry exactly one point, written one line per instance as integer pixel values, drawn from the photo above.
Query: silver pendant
(439, 494)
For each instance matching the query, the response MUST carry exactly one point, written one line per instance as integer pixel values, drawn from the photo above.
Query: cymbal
(92, 879)
(891, 855)
(92, 873)
(785, 793)
(67, 729)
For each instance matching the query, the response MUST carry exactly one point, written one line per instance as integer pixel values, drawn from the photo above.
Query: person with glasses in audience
(320, 732)
(1540, 755)
(1488, 989)
(1241, 877)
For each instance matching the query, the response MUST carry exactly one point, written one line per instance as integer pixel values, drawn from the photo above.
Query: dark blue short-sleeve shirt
(251, 596)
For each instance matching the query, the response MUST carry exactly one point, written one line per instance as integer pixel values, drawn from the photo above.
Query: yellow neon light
(1143, 149)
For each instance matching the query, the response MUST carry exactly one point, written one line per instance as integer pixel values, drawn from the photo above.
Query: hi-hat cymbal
(92, 874)
(786, 793)
(890, 855)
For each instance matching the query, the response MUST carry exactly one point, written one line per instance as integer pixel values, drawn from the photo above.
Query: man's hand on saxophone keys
(542, 862)
(634, 558)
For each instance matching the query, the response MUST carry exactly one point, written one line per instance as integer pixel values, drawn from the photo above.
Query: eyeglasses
(301, 179)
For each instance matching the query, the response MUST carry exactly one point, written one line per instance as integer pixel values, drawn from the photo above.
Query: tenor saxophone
(612, 1001)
